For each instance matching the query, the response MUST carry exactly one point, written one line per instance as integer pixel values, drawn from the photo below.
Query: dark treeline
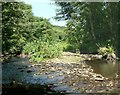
(89, 27)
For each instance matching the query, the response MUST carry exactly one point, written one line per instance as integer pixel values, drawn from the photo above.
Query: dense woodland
(90, 26)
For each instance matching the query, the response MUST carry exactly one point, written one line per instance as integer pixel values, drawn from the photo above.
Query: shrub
(106, 50)
(40, 50)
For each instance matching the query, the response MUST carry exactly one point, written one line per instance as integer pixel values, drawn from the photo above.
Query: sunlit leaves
(15, 16)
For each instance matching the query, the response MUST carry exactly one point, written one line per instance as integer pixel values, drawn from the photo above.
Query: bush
(107, 53)
(106, 50)
(40, 51)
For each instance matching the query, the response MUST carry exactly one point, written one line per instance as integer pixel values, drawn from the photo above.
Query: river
(84, 77)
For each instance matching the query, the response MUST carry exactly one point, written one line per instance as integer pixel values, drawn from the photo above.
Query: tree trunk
(91, 23)
(110, 22)
(118, 49)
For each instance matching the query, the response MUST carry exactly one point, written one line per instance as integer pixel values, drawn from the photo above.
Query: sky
(45, 9)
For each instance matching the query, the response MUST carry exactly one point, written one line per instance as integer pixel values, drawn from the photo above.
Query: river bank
(69, 57)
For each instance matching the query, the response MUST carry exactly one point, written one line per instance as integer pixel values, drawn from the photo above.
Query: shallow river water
(107, 69)
(83, 77)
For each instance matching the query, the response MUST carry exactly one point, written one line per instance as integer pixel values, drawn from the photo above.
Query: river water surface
(107, 69)
(84, 77)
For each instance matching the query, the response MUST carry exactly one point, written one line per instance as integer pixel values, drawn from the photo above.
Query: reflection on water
(107, 69)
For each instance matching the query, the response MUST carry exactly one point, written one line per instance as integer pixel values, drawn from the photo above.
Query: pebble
(29, 71)
(68, 72)
(51, 77)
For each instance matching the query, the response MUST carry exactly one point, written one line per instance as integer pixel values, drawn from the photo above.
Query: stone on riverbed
(98, 77)
(30, 70)
(73, 74)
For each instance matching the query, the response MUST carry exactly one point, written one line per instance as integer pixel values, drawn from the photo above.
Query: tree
(25, 33)
(90, 21)
(14, 20)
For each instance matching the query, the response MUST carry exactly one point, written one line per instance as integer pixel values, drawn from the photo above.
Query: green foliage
(106, 50)
(39, 50)
(15, 17)
(44, 41)
(90, 24)
(29, 34)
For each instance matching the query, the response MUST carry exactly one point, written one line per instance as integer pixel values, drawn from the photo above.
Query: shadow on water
(105, 68)
(28, 89)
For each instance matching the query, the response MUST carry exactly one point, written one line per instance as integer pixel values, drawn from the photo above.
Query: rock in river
(30, 70)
